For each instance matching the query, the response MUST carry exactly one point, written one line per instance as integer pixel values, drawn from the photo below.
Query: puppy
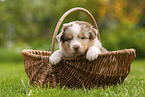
(77, 38)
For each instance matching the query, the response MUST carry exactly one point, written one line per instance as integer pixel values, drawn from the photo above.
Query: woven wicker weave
(109, 68)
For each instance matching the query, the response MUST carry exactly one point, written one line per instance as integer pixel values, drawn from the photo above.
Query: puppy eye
(83, 37)
(68, 39)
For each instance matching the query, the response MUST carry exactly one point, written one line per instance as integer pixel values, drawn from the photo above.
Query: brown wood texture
(109, 68)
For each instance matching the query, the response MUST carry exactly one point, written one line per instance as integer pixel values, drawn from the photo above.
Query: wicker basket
(110, 68)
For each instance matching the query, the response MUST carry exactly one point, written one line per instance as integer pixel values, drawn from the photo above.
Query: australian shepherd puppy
(77, 38)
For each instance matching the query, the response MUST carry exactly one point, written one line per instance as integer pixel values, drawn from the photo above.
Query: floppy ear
(93, 33)
(60, 35)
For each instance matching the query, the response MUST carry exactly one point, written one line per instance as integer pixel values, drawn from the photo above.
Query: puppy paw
(55, 58)
(92, 53)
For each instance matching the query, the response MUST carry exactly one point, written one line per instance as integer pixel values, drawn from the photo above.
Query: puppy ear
(93, 33)
(59, 36)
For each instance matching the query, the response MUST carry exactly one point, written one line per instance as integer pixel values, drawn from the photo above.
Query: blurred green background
(29, 24)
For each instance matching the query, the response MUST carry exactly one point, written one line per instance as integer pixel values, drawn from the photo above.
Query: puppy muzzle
(76, 48)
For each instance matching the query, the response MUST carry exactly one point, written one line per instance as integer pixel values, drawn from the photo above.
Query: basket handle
(64, 16)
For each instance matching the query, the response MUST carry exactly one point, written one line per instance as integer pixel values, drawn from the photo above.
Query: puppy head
(76, 37)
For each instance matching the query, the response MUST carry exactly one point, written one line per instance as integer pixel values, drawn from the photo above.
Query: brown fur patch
(66, 47)
(66, 36)
(87, 28)
(92, 33)
(83, 35)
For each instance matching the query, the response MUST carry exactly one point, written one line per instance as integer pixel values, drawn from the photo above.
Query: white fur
(56, 57)
(93, 53)
(75, 29)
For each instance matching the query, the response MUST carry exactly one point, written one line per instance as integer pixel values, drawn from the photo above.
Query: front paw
(92, 53)
(55, 58)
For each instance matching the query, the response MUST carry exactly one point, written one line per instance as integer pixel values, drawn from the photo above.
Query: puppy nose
(76, 47)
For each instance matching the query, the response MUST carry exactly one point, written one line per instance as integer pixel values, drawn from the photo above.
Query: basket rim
(36, 53)
(124, 51)
(46, 54)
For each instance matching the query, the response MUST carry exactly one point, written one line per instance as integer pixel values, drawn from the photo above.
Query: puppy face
(76, 37)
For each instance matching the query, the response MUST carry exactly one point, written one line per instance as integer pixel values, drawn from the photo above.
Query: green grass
(15, 83)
